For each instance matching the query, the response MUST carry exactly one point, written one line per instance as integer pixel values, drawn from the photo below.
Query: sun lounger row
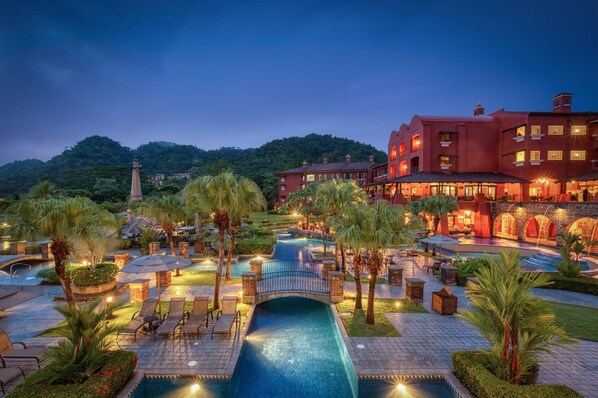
(8, 351)
(178, 320)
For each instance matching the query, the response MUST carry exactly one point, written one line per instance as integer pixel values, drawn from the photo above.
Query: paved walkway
(427, 340)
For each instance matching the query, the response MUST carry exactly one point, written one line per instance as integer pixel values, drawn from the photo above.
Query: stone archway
(586, 227)
(539, 229)
(505, 226)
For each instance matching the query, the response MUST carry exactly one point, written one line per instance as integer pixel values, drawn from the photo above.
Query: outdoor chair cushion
(9, 374)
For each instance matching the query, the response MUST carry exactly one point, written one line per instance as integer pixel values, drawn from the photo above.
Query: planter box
(444, 302)
(94, 289)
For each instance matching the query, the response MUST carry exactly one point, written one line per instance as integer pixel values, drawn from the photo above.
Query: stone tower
(136, 194)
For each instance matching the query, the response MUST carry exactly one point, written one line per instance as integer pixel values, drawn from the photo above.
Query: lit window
(282, 179)
(578, 130)
(310, 177)
(402, 149)
(393, 153)
(578, 155)
(521, 131)
(536, 130)
(445, 137)
(415, 143)
(554, 155)
(403, 168)
(445, 160)
(555, 130)
(282, 187)
(322, 177)
(520, 156)
(534, 155)
(392, 171)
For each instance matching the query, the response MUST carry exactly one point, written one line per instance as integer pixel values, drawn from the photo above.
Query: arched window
(415, 143)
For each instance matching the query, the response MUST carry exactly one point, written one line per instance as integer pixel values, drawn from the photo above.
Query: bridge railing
(290, 265)
(293, 281)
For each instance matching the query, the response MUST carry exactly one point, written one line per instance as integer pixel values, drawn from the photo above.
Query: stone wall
(561, 214)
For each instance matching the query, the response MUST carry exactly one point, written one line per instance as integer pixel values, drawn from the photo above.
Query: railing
(289, 266)
(293, 281)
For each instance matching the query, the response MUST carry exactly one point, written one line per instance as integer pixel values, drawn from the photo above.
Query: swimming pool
(285, 249)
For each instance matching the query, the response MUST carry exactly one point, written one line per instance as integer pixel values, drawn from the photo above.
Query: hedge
(48, 276)
(580, 285)
(255, 246)
(104, 384)
(103, 273)
(470, 370)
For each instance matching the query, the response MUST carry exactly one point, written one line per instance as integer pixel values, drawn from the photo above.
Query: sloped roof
(322, 167)
(591, 175)
(458, 177)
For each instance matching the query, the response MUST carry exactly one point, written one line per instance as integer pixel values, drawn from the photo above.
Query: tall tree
(333, 197)
(215, 195)
(43, 190)
(376, 227)
(60, 219)
(248, 198)
(517, 325)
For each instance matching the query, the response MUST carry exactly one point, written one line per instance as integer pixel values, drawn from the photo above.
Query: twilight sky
(241, 73)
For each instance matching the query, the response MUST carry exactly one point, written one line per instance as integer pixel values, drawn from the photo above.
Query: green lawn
(351, 278)
(123, 315)
(276, 219)
(198, 278)
(355, 324)
(579, 322)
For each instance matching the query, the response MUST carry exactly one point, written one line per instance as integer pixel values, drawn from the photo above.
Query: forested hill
(100, 167)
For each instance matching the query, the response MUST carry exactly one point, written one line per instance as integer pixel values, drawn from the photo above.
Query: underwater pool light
(401, 387)
(195, 387)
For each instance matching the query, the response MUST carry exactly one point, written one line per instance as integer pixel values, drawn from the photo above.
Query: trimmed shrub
(255, 246)
(579, 285)
(471, 370)
(104, 272)
(119, 368)
(48, 276)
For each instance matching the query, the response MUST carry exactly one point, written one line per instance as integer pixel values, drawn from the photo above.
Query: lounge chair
(8, 350)
(227, 316)
(173, 318)
(9, 374)
(196, 318)
(142, 318)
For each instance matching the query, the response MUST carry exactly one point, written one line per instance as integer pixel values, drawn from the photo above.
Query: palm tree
(436, 207)
(332, 197)
(517, 325)
(572, 250)
(43, 190)
(63, 220)
(301, 201)
(248, 198)
(348, 231)
(374, 228)
(216, 195)
(98, 237)
(168, 210)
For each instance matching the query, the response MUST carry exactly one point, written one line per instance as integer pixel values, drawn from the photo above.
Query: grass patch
(276, 219)
(355, 324)
(350, 278)
(579, 322)
(199, 278)
(123, 315)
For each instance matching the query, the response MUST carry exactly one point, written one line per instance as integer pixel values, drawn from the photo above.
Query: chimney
(325, 160)
(478, 110)
(305, 164)
(348, 159)
(561, 103)
(371, 159)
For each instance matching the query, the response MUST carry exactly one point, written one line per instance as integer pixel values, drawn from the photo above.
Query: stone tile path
(427, 340)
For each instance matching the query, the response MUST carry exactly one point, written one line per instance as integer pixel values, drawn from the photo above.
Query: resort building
(508, 156)
(292, 180)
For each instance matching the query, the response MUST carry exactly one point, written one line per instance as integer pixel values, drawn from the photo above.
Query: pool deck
(424, 347)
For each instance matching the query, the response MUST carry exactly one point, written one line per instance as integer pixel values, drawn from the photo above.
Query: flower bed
(103, 273)
(471, 371)
(104, 384)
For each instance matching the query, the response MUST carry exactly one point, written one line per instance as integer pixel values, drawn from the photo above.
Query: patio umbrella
(440, 240)
(146, 264)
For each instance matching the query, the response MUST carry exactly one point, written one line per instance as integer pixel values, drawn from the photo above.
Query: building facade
(293, 180)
